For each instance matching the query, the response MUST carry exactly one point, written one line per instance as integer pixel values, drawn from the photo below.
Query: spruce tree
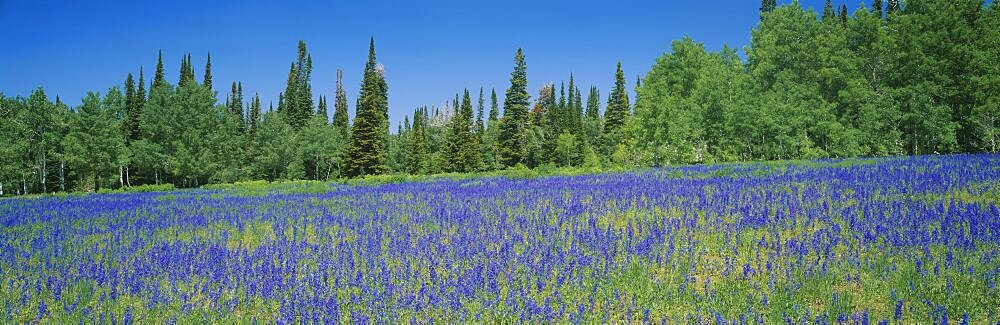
(254, 116)
(515, 116)
(594, 103)
(366, 153)
(844, 16)
(829, 14)
(141, 94)
(340, 120)
(461, 149)
(480, 127)
(133, 102)
(208, 72)
(616, 113)
(417, 157)
(321, 108)
(877, 8)
(158, 78)
(767, 6)
(494, 107)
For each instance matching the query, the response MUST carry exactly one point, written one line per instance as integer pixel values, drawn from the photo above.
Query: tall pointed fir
(494, 108)
(515, 116)
(159, 77)
(594, 103)
(767, 6)
(340, 119)
(133, 102)
(321, 109)
(461, 149)
(829, 14)
(253, 118)
(208, 72)
(844, 16)
(141, 93)
(366, 152)
(418, 155)
(480, 126)
(616, 113)
(877, 8)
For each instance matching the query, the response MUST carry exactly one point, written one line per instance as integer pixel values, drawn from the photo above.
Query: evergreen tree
(253, 118)
(480, 127)
(159, 78)
(494, 108)
(594, 103)
(844, 16)
(130, 124)
(829, 14)
(515, 117)
(208, 72)
(321, 108)
(461, 149)
(418, 155)
(766, 7)
(141, 93)
(877, 8)
(366, 154)
(617, 112)
(340, 119)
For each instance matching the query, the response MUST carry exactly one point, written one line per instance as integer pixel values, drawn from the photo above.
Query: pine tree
(829, 14)
(515, 116)
(297, 105)
(480, 127)
(130, 124)
(366, 153)
(461, 149)
(417, 157)
(340, 120)
(158, 78)
(594, 103)
(187, 72)
(494, 107)
(616, 113)
(767, 6)
(877, 8)
(208, 72)
(321, 108)
(844, 16)
(141, 94)
(254, 117)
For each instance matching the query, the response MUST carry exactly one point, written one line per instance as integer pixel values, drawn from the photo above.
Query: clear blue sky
(431, 50)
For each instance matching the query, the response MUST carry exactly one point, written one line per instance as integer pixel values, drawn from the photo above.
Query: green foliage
(513, 126)
(94, 147)
(366, 153)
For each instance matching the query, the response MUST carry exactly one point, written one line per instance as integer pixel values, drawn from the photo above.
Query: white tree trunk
(121, 177)
(41, 173)
(1, 188)
(62, 175)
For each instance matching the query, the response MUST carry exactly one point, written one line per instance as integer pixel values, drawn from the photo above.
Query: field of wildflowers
(896, 240)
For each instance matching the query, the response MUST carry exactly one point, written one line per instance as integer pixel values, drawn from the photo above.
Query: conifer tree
(877, 8)
(321, 108)
(254, 116)
(494, 107)
(844, 16)
(617, 112)
(829, 14)
(480, 127)
(340, 120)
(208, 72)
(515, 117)
(461, 147)
(158, 78)
(366, 153)
(417, 157)
(767, 6)
(141, 93)
(594, 103)
(130, 123)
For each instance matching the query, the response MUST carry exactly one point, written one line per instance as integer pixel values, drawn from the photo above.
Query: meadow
(891, 240)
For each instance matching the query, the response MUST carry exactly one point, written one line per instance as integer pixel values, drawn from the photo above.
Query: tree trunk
(41, 173)
(127, 180)
(121, 177)
(156, 174)
(62, 175)
(1, 188)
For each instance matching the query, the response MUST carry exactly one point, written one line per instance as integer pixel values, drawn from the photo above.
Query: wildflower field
(897, 240)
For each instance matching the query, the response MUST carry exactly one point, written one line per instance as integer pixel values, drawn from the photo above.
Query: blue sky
(431, 50)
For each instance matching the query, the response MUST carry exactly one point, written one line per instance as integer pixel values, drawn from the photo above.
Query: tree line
(918, 77)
